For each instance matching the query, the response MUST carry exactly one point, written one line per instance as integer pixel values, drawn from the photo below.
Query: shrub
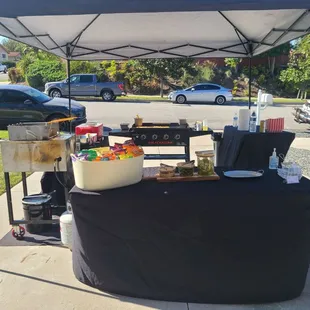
(9, 64)
(78, 66)
(228, 73)
(42, 71)
(16, 75)
(261, 79)
(234, 91)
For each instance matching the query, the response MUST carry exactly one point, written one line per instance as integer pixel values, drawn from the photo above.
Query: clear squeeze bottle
(274, 160)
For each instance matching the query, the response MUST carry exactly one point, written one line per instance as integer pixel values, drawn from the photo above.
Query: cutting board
(152, 173)
(194, 178)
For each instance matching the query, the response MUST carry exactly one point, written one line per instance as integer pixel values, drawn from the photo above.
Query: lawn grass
(241, 99)
(142, 97)
(15, 177)
(276, 100)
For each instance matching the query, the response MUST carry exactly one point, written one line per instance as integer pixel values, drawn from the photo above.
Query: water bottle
(253, 122)
(235, 120)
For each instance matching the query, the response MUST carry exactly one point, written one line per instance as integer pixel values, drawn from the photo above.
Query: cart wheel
(18, 232)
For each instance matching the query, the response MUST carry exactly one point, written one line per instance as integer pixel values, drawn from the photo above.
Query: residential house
(3, 54)
(14, 56)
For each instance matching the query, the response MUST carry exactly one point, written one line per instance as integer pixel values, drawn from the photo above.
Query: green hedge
(42, 71)
(9, 64)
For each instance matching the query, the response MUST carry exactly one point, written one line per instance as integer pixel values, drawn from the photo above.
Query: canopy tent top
(126, 29)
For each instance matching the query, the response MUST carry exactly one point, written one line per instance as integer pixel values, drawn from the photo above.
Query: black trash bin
(37, 207)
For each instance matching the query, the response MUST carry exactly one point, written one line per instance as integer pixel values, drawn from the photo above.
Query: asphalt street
(114, 113)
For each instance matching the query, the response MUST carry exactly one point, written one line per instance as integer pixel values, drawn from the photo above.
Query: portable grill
(162, 134)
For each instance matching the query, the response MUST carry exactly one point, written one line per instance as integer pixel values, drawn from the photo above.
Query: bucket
(37, 207)
(101, 175)
(65, 222)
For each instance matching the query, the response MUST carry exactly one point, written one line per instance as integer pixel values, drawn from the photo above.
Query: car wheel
(5, 71)
(181, 99)
(107, 95)
(55, 93)
(220, 100)
(63, 126)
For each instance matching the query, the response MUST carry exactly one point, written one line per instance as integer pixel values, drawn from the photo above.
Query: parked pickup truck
(3, 68)
(86, 85)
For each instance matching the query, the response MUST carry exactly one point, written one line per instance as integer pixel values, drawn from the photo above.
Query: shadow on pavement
(56, 283)
(116, 101)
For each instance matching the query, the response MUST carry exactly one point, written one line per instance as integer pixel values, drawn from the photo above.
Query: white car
(204, 92)
(3, 68)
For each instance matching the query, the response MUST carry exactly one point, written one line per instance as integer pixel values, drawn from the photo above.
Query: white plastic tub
(100, 175)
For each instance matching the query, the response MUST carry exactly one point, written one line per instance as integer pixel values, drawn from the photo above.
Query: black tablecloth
(245, 150)
(227, 241)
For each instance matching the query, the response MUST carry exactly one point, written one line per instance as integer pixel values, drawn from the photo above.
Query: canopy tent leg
(250, 81)
(69, 91)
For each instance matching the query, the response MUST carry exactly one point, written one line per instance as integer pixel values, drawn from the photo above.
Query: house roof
(124, 29)
(1, 46)
(14, 54)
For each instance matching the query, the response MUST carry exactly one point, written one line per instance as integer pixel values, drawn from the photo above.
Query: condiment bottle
(274, 160)
(205, 125)
(253, 122)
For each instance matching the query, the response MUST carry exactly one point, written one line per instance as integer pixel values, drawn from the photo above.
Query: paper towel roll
(244, 119)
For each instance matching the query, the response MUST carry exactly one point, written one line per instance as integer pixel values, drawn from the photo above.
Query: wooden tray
(194, 178)
(152, 173)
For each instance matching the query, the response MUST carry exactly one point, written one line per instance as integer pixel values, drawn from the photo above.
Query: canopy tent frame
(249, 46)
(166, 51)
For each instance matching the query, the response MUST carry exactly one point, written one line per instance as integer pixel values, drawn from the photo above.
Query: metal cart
(34, 156)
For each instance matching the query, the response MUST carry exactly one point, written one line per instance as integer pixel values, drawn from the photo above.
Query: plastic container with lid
(186, 169)
(205, 162)
(166, 171)
(90, 127)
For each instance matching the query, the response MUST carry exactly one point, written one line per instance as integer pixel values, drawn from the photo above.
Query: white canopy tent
(126, 29)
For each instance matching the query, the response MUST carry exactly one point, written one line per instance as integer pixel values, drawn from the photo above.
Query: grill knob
(166, 137)
(154, 137)
(143, 137)
(177, 137)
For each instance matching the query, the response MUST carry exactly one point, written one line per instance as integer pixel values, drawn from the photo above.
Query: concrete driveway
(114, 113)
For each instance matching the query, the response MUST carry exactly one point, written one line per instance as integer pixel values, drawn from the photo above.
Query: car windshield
(189, 88)
(37, 95)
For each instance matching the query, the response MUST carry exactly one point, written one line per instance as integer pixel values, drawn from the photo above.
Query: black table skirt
(245, 150)
(227, 241)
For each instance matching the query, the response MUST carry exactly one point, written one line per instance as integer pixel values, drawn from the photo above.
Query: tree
(162, 69)
(14, 46)
(233, 63)
(297, 75)
(280, 50)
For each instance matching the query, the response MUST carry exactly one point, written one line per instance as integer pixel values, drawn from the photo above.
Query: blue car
(20, 103)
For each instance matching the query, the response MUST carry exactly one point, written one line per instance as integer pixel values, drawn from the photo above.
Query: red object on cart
(86, 128)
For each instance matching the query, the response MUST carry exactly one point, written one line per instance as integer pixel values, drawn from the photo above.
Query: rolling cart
(34, 156)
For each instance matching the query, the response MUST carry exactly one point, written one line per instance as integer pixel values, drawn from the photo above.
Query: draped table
(245, 150)
(226, 241)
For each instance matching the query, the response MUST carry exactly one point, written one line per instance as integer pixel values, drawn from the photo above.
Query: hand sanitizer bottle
(253, 122)
(274, 160)
(235, 120)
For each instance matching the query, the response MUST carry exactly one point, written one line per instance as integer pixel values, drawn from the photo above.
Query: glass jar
(186, 169)
(205, 163)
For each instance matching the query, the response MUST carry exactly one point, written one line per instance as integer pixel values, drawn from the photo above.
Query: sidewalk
(41, 277)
